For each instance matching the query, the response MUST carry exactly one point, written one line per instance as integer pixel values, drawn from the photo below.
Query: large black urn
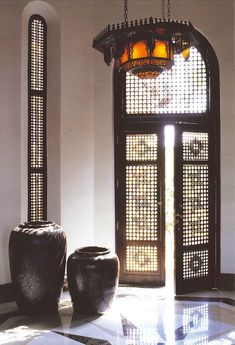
(93, 274)
(37, 254)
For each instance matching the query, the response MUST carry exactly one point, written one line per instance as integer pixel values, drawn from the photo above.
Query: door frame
(209, 120)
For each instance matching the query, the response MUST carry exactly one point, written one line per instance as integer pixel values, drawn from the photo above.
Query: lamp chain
(126, 12)
(163, 9)
(168, 9)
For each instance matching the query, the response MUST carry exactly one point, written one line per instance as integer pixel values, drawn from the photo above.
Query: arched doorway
(187, 97)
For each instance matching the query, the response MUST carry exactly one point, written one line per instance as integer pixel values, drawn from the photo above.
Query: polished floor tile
(138, 317)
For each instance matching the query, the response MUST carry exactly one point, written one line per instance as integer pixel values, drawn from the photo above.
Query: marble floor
(139, 316)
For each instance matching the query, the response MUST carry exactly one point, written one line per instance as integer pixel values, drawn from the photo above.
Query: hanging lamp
(146, 47)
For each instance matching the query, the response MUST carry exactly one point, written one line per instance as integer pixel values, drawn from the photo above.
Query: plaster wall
(10, 117)
(77, 121)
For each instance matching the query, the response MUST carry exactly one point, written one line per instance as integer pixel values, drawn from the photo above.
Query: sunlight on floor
(19, 334)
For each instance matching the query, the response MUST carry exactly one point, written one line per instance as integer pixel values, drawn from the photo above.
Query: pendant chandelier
(146, 47)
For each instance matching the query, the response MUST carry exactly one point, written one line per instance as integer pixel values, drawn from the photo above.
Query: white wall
(77, 122)
(80, 115)
(10, 117)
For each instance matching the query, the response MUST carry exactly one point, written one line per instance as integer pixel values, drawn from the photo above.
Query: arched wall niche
(53, 108)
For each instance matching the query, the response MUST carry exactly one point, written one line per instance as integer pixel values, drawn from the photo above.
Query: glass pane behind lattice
(195, 264)
(37, 132)
(141, 147)
(183, 89)
(36, 192)
(37, 54)
(195, 204)
(195, 146)
(141, 203)
(142, 258)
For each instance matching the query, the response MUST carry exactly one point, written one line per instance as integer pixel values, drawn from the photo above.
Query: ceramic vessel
(93, 274)
(37, 254)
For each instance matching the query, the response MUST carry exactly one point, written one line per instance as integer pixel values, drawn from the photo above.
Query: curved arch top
(41, 8)
(189, 91)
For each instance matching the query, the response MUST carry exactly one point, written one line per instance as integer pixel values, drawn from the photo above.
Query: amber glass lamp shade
(146, 47)
(146, 63)
(186, 53)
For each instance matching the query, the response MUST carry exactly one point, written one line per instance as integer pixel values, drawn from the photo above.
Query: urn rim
(92, 251)
(37, 224)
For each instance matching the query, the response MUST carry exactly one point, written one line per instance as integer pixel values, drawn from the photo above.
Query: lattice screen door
(141, 244)
(186, 97)
(194, 195)
(142, 215)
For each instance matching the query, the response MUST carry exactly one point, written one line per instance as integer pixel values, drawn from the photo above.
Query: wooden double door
(143, 163)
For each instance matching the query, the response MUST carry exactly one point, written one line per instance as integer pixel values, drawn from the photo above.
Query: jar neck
(92, 251)
(36, 224)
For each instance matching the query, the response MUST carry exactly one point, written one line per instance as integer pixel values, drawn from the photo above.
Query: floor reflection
(137, 317)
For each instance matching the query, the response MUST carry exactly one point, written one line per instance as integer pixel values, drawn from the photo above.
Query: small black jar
(37, 255)
(93, 274)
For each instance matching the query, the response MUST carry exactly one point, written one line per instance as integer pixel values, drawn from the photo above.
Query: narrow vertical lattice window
(37, 164)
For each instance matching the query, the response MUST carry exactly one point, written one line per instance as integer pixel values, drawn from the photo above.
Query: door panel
(140, 240)
(194, 201)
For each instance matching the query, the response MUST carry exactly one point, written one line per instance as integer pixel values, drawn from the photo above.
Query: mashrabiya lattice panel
(142, 258)
(36, 193)
(195, 264)
(183, 89)
(141, 147)
(141, 203)
(37, 55)
(195, 204)
(37, 132)
(195, 146)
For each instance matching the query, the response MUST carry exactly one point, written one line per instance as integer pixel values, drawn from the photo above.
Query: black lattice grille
(142, 258)
(37, 171)
(37, 54)
(141, 147)
(195, 204)
(195, 146)
(37, 131)
(195, 264)
(37, 196)
(141, 203)
(180, 90)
